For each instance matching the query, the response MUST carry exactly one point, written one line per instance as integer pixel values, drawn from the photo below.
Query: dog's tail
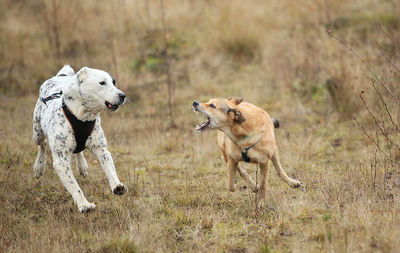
(66, 71)
(276, 122)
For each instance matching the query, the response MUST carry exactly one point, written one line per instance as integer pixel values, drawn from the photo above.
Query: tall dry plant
(382, 104)
(53, 25)
(167, 68)
(157, 63)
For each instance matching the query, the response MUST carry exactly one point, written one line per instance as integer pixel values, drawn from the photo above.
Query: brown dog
(251, 138)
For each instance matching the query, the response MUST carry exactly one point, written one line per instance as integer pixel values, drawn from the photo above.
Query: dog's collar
(82, 129)
(247, 136)
(51, 97)
(245, 157)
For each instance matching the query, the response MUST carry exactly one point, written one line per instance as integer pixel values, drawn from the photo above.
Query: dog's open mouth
(111, 107)
(203, 125)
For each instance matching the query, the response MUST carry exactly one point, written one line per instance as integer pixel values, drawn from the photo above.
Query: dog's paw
(120, 189)
(38, 174)
(255, 189)
(83, 171)
(87, 208)
(295, 184)
(38, 169)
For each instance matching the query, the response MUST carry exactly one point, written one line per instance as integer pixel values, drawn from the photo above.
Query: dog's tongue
(109, 105)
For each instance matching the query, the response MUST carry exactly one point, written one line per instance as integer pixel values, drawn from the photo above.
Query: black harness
(82, 129)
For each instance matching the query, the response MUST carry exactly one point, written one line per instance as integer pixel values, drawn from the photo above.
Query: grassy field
(164, 55)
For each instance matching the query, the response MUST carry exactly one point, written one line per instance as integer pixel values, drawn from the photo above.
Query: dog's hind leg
(40, 163)
(246, 177)
(81, 164)
(39, 139)
(282, 174)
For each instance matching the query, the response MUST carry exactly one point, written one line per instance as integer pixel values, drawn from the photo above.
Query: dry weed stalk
(383, 113)
(53, 27)
(256, 200)
(167, 67)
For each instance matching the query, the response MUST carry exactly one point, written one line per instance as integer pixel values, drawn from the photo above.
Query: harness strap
(51, 97)
(82, 129)
(245, 157)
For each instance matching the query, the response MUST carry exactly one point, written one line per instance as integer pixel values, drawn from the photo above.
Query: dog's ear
(82, 74)
(236, 100)
(236, 115)
(240, 118)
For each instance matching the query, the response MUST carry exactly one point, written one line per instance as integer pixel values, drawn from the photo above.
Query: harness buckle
(245, 157)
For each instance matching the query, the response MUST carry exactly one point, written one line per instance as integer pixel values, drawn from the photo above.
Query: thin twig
(387, 35)
(375, 119)
(256, 194)
(170, 83)
(386, 108)
(374, 141)
(374, 76)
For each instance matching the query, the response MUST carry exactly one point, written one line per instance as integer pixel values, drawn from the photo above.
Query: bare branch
(376, 121)
(388, 59)
(390, 37)
(386, 108)
(375, 142)
(165, 54)
(374, 76)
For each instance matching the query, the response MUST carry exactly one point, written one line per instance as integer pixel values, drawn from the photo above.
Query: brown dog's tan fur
(241, 125)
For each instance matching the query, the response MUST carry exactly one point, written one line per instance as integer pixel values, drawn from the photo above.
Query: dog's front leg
(264, 180)
(61, 163)
(107, 164)
(232, 165)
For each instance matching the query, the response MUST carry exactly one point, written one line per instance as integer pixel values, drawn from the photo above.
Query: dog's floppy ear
(82, 74)
(236, 100)
(237, 115)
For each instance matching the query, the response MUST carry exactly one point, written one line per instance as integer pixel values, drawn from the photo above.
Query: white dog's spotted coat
(86, 94)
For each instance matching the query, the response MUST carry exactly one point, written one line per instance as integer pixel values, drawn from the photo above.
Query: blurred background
(327, 69)
(176, 51)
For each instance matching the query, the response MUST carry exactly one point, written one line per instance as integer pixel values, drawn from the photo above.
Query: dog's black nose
(195, 103)
(122, 97)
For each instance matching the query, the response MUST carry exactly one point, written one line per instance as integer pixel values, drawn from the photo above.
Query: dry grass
(277, 55)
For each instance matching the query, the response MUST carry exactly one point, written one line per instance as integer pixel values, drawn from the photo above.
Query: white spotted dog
(67, 113)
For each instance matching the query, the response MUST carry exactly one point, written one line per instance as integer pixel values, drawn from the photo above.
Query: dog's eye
(102, 83)
(212, 106)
